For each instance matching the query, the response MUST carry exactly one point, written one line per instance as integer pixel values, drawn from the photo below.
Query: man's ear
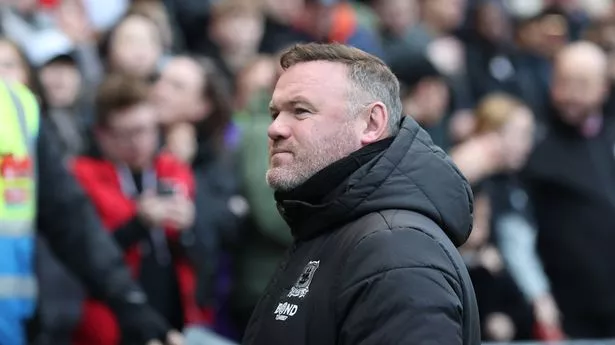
(376, 119)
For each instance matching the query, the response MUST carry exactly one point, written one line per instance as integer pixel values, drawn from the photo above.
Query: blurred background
(519, 92)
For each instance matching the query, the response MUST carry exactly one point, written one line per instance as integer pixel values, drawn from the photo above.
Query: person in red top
(144, 198)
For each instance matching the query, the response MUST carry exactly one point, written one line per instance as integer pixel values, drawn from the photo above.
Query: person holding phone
(144, 198)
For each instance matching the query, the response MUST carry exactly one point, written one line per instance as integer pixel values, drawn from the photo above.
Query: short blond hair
(371, 78)
(495, 110)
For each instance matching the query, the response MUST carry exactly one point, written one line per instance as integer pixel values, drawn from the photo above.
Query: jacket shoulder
(388, 242)
(408, 286)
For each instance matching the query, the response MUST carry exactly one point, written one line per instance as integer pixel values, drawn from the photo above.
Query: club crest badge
(302, 286)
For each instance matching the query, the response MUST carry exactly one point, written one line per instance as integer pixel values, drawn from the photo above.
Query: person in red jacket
(144, 198)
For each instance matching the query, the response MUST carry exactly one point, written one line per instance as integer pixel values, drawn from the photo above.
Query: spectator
(59, 308)
(68, 105)
(145, 200)
(538, 38)
(439, 19)
(157, 12)
(61, 295)
(433, 37)
(337, 21)
(504, 316)
(495, 60)
(28, 27)
(279, 25)
(259, 75)
(513, 221)
(134, 47)
(78, 240)
(193, 90)
(426, 97)
(236, 29)
(571, 176)
(14, 65)
(397, 18)
(194, 103)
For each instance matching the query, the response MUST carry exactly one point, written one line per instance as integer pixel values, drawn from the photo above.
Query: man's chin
(280, 180)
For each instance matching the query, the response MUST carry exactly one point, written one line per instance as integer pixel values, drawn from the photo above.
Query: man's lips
(276, 151)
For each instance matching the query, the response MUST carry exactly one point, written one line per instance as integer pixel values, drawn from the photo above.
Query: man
(426, 97)
(571, 177)
(148, 208)
(37, 192)
(375, 210)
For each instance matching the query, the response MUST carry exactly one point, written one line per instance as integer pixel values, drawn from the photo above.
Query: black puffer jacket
(374, 261)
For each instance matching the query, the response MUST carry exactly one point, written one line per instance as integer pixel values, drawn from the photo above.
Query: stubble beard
(309, 161)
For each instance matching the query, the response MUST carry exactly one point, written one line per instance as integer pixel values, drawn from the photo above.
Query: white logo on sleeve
(284, 310)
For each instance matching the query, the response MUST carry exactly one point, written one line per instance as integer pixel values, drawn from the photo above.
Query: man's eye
(301, 111)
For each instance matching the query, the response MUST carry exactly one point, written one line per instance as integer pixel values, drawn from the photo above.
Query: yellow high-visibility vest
(19, 129)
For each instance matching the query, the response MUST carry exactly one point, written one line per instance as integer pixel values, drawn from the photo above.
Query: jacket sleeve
(69, 223)
(392, 300)
(130, 233)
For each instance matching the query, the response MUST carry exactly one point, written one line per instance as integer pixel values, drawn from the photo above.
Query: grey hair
(372, 80)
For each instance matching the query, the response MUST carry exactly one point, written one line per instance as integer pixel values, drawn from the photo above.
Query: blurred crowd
(151, 100)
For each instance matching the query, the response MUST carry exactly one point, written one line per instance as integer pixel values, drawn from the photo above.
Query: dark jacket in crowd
(572, 183)
(496, 68)
(69, 224)
(156, 257)
(374, 258)
(221, 211)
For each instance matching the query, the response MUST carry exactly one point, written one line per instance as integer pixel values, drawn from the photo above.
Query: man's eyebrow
(299, 102)
(293, 102)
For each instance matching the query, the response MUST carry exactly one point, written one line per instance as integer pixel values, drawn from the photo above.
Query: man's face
(12, 67)
(312, 126)
(178, 93)
(257, 78)
(238, 33)
(136, 46)
(518, 138)
(131, 137)
(431, 98)
(492, 22)
(398, 16)
(577, 90)
(449, 14)
(61, 82)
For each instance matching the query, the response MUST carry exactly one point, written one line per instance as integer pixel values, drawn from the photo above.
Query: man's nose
(278, 129)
